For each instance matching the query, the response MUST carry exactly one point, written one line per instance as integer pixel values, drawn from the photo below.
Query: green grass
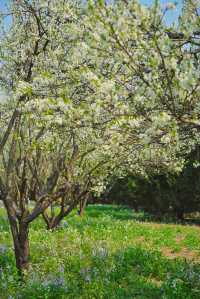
(110, 253)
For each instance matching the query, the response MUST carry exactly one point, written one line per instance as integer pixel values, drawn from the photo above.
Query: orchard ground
(109, 253)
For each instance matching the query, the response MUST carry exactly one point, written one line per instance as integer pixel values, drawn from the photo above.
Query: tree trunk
(21, 247)
(82, 205)
(53, 222)
(180, 214)
(20, 231)
(24, 245)
(135, 207)
(21, 243)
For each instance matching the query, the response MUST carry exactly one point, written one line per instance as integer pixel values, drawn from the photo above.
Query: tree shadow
(125, 213)
(115, 212)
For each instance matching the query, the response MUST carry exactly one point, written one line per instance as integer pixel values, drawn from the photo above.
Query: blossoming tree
(92, 90)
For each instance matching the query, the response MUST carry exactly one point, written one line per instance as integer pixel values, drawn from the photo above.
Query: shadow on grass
(115, 212)
(125, 213)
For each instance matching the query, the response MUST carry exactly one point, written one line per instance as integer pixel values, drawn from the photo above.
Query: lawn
(109, 253)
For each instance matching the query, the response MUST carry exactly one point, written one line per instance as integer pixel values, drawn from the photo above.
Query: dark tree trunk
(24, 246)
(21, 245)
(135, 207)
(180, 215)
(19, 230)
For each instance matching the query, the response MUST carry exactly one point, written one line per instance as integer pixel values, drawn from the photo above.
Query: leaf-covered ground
(110, 253)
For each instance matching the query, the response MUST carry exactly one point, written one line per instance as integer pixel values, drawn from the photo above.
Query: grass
(110, 253)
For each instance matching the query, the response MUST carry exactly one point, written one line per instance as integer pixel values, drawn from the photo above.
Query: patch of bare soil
(184, 253)
(155, 281)
(139, 239)
(179, 238)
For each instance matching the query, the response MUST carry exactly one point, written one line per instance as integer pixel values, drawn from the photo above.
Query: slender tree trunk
(47, 219)
(82, 205)
(135, 206)
(180, 214)
(53, 222)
